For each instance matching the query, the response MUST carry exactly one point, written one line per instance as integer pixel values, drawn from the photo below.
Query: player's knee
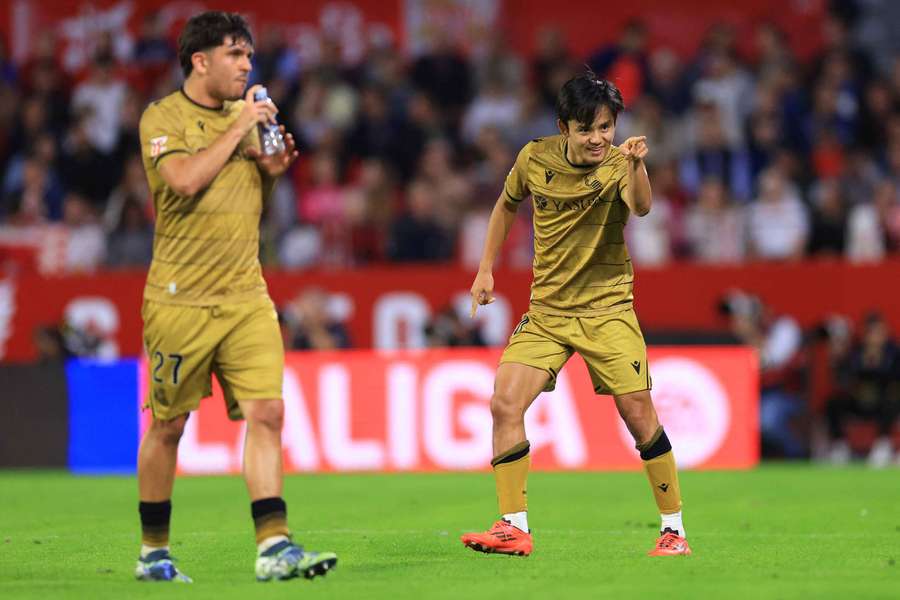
(169, 432)
(640, 419)
(268, 414)
(504, 407)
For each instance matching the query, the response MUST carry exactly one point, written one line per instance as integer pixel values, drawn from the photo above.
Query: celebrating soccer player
(206, 306)
(583, 188)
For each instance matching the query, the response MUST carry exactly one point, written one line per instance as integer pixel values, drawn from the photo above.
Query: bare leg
(515, 388)
(157, 458)
(262, 450)
(637, 410)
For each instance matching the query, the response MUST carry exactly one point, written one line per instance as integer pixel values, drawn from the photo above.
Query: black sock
(155, 518)
(269, 517)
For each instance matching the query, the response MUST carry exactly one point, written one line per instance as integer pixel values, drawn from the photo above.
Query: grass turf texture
(776, 532)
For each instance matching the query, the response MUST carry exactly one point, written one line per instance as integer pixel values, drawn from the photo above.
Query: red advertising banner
(430, 411)
(387, 308)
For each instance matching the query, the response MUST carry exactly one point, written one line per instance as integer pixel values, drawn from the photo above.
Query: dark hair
(583, 95)
(208, 30)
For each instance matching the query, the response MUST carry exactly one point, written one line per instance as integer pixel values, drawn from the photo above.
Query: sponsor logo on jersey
(158, 145)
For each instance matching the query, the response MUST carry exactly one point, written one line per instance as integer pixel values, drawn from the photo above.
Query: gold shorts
(612, 347)
(240, 343)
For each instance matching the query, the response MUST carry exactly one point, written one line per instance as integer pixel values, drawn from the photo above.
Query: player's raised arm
(636, 193)
(501, 221)
(189, 174)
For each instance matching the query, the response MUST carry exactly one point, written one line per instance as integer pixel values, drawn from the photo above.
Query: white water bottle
(270, 138)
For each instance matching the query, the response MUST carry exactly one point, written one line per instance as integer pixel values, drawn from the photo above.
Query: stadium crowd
(754, 156)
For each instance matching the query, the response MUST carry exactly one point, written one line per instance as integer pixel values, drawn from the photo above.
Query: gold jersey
(205, 247)
(581, 263)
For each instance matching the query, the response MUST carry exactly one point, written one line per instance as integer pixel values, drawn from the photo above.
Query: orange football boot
(502, 538)
(670, 544)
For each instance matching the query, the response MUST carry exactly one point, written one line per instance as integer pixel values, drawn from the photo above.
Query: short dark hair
(583, 95)
(208, 30)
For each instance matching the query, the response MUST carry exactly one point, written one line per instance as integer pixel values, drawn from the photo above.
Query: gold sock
(511, 476)
(659, 465)
(269, 518)
(663, 476)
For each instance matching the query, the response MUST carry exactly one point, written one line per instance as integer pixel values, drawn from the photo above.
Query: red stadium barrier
(429, 411)
(387, 307)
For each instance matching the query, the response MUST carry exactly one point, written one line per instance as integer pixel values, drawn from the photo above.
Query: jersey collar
(197, 104)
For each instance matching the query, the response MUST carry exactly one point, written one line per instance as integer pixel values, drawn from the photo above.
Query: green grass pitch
(775, 532)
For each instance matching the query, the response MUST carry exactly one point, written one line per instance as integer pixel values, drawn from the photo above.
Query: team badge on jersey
(158, 145)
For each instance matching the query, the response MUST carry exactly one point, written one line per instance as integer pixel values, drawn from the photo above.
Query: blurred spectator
(494, 106)
(82, 168)
(535, 120)
(153, 53)
(7, 68)
(624, 62)
(778, 220)
(778, 342)
(130, 244)
(100, 99)
(874, 228)
(715, 228)
(828, 233)
(499, 65)
(43, 77)
(448, 329)
(451, 189)
(872, 393)
(36, 198)
(765, 130)
(132, 189)
(709, 154)
(272, 59)
(771, 53)
(416, 235)
(369, 207)
(878, 104)
(729, 88)
(85, 242)
(444, 75)
(379, 133)
(667, 82)
(324, 205)
(650, 238)
(310, 325)
(32, 122)
(326, 106)
(647, 117)
(552, 64)
(860, 176)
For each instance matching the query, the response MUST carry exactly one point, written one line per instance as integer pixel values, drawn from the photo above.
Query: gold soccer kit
(206, 306)
(581, 296)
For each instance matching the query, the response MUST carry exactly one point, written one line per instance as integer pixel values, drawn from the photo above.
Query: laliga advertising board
(429, 411)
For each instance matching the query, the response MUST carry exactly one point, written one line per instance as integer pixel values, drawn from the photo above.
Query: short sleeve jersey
(581, 263)
(205, 247)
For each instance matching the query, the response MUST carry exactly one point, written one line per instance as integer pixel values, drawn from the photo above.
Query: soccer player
(583, 189)
(206, 306)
